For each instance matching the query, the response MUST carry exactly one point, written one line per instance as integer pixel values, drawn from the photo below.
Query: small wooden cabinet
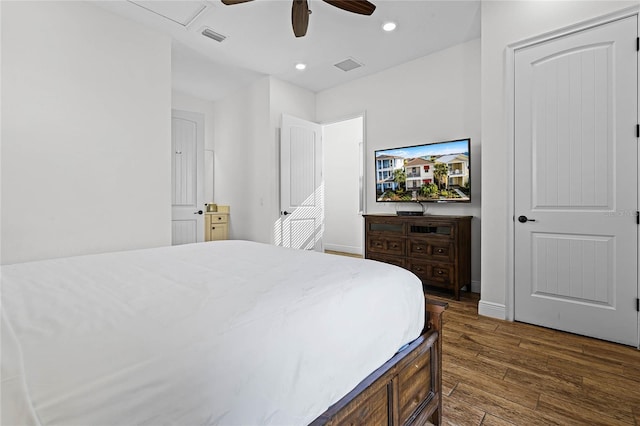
(216, 224)
(435, 248)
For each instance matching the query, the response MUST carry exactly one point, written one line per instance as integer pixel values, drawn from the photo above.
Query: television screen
(435, 172)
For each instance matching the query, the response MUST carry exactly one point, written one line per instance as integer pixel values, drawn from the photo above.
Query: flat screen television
(434, 172)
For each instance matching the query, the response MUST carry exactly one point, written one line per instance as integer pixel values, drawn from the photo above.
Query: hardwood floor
(499, 373)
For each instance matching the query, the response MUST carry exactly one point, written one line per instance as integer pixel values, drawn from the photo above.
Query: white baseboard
(343, 249)
(475, 287)
(493, 310)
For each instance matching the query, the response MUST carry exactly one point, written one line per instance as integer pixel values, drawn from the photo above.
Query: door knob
(198, 212)
(524, 219)
(285, 213)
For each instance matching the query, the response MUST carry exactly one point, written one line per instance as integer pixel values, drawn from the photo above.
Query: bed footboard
(406, 390)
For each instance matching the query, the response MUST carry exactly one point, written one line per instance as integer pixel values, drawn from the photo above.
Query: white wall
(504, 23)
(430, 99)
(246, 143)
(86, 104)
(342, 158)
(241, 131)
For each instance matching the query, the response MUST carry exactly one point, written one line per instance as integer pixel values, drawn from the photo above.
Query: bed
(226, 332)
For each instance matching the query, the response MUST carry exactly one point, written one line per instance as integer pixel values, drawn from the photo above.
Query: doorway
(344, 184)
(321, 185)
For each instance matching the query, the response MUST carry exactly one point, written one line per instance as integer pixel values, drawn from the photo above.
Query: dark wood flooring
(508, 373)
(502, 373)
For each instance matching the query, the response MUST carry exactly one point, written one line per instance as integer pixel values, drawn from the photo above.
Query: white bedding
(227, 332)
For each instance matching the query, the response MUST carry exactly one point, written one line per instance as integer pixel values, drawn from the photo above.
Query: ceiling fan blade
(231, 2)
(300, 17)
(362, 7)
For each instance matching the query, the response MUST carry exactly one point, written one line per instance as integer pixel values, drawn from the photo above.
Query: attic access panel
(180, 12)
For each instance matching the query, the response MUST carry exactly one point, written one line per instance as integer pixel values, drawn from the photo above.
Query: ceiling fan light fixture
(389, 26)
(300, 11)
(300, 66)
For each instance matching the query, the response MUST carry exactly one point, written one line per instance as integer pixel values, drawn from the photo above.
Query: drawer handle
(213, 227)
(419, 269)
(394, 245)
(418, 248)
(219, 218)
(440, 272)
(440, 251)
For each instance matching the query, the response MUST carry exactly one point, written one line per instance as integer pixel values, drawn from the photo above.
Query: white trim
(638, 184)
(492, 310)
(509, 308)
(574, 28)
(510, 243)
(475, 286)
(344, 249)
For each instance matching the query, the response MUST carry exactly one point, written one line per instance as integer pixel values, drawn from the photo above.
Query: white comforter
(228, 332)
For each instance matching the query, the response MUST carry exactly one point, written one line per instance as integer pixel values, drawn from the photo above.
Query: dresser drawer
(386, 226)
(415, 383)
(222, 218)
(434, 249)
(398, 261)
(432, 230)
(433, 273)
(374, 410)
(386, 245)
(437, 248)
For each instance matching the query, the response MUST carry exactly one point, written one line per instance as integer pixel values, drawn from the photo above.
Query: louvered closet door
(576, 179)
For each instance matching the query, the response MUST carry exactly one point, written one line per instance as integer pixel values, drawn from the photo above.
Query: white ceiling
(260, 40)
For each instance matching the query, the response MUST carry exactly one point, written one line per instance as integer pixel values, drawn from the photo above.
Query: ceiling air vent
(207, 32)
(348, 64)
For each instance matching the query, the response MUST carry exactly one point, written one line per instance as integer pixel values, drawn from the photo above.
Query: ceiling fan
(300, 11)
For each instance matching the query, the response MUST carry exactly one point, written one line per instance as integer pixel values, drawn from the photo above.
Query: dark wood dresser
(436, 248)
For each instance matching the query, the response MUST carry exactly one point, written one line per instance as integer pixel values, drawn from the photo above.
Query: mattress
(225, 332)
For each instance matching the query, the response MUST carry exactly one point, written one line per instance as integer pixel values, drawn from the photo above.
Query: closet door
(187, 169)
(576, 183)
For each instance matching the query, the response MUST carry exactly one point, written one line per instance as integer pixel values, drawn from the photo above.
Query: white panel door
(187, 143)
(301, 186)
(576, 183)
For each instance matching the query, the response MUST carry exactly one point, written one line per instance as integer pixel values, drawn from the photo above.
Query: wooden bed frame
(406, 390)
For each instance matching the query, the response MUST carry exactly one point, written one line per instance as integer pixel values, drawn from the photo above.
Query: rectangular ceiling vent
(207, 32)
(348, 64)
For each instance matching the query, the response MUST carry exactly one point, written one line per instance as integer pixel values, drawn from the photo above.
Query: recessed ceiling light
(300, 66)
(389, 26)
